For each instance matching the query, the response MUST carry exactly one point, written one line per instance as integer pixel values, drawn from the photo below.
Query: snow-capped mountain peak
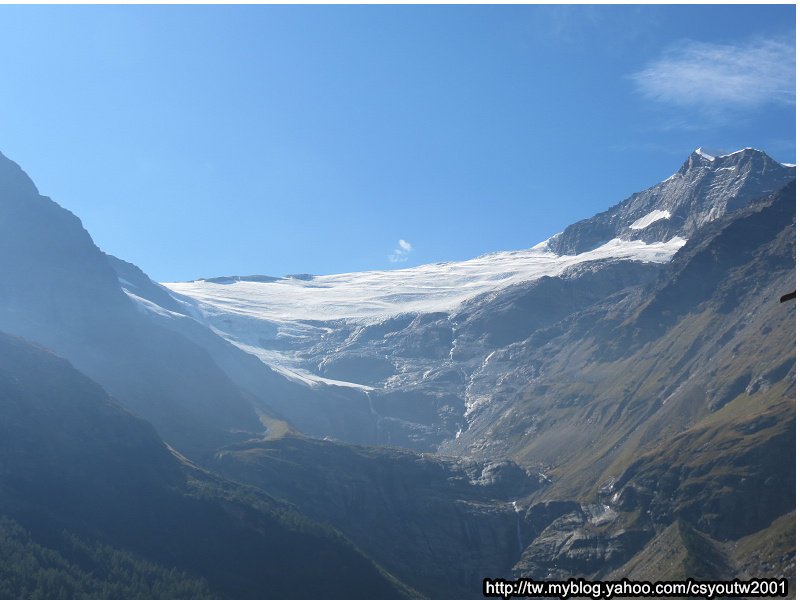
(704, 188)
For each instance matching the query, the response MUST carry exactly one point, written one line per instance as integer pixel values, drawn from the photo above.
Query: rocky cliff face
(704, 299)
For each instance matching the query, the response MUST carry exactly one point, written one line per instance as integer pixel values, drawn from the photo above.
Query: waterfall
(519, 528)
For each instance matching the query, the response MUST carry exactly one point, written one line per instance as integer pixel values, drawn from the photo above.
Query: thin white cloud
(400, 254)
(716, 77)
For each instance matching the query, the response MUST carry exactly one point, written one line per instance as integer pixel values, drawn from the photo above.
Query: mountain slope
(674, 347)
(673, 402)
(71, 459)
(85, 570)
(440, 524)
(320, 409)
(57, 289)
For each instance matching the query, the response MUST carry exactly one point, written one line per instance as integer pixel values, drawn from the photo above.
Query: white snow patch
(705, 155)
(650, 218)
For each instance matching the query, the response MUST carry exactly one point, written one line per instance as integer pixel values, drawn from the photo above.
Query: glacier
(372, 296)
(277, 319)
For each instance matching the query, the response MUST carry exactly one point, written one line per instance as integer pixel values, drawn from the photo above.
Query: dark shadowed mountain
(91, 486)
(440, 522)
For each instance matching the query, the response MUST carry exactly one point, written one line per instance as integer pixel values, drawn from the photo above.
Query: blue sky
(214, 140)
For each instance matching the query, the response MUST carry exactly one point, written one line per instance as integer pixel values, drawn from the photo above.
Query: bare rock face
(585, 540)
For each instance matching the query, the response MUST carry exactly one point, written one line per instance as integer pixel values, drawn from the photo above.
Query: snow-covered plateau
(374, 295)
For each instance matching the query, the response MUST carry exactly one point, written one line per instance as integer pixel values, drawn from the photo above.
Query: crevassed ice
(372, 296)
(650, 218)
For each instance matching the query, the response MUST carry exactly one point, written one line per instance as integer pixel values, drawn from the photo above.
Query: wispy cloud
(400, 254)
(719, 77)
